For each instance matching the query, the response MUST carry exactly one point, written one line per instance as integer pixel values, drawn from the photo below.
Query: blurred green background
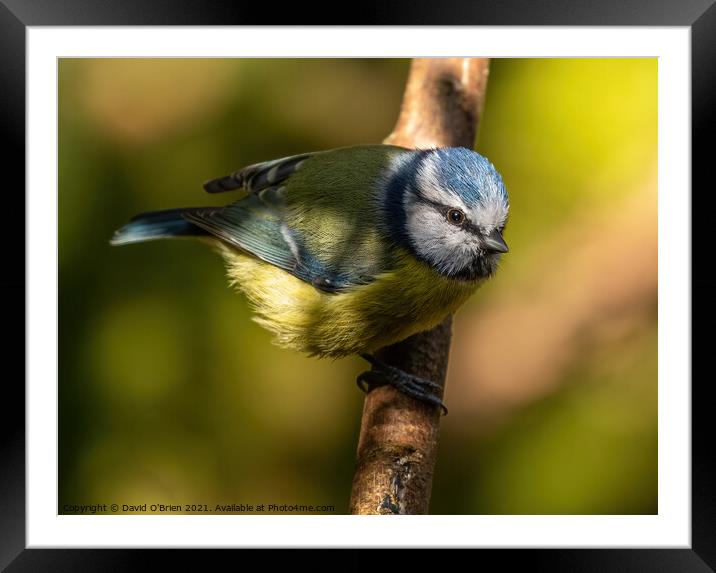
(169, 393)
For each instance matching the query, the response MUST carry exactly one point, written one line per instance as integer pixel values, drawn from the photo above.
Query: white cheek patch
(445, 246)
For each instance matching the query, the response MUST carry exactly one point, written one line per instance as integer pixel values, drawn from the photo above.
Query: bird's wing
(254, 226)
(258, 176)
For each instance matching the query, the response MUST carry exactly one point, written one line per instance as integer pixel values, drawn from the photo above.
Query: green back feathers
(334, 203)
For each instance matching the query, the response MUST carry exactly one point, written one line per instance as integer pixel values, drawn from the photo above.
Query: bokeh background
(169, 393)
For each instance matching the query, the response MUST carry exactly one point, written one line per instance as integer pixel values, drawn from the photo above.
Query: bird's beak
(494, 243)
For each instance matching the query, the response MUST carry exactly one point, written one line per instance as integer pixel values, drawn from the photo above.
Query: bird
(345, 251)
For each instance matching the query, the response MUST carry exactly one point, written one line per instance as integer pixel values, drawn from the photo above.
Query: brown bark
(441, 107)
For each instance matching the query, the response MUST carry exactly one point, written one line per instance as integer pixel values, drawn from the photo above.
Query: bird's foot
(414, 386)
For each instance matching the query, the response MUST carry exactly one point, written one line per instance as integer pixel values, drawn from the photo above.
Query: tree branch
(441, 107)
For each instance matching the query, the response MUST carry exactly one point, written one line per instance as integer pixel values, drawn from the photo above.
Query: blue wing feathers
(250, 226)
(253, 226)
(158, 225)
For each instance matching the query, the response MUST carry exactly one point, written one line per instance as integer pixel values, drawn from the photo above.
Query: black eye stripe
(442, 209)
(467, 225)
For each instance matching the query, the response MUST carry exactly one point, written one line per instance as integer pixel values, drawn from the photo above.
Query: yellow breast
(409, 299)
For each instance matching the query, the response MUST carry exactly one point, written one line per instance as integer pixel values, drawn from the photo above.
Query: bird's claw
(414, 386)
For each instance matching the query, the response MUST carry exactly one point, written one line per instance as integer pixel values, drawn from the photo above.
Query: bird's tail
(159, 225)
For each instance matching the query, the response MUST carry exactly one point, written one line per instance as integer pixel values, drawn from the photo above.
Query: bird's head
(451, 205)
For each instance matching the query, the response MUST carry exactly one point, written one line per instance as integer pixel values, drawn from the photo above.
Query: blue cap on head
(469, 175)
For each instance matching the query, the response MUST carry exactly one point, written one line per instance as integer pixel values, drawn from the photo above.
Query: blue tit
(346, 251)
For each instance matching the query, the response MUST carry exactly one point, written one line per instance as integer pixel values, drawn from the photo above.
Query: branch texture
(441, 107)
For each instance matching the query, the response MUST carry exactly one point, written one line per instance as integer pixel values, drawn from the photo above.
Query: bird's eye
(455, 216)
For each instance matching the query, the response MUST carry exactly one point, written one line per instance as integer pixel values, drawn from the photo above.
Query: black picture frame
(16, 15)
